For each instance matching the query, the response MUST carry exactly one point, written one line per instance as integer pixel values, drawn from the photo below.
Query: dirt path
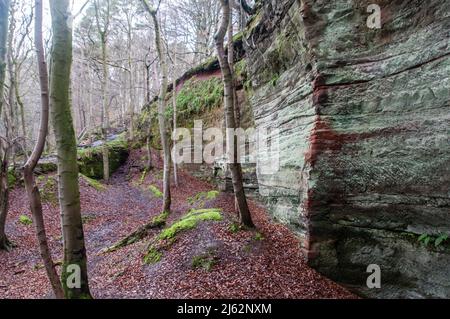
(247, 264)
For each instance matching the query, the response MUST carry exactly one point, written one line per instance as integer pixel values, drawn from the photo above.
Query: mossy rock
(90, 160)
(46, 166)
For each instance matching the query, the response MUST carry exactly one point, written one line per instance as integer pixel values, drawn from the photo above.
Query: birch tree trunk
(165, 139)
(33, 193)
(235, 167)
(74, 277)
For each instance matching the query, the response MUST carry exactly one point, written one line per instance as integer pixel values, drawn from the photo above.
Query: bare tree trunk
(22, 113)
(174, 98)
(12, 83)
(105, 109)
(131, 80)
(235, 167)
(5, 244)
(74, 277)
(162, 107)
(32, 189)
(147, 83)
(149, 146)
(4, 149)
(4, 11)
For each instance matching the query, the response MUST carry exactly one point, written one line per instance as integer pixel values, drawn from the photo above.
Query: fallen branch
(139, 234)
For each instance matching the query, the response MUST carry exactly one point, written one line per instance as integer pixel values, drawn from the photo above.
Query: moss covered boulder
(90, 160)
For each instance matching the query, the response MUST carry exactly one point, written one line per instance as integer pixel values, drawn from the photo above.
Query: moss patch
(197, 97)
(87, 219)
(153, 256)
(205, 261)
(12, 178)
(200, 199)
(155, 191)
(139, 234)
(49, 190)
(25, 220)
(168, 235)
(189, 221)
(90, 160)
(93, 183)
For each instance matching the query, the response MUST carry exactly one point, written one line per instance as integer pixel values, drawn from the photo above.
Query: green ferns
(197, 97)
(438, 241)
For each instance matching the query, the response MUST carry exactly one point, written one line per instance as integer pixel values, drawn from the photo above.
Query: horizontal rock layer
(364, 122)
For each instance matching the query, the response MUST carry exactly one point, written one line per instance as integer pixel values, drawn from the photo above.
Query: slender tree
(103, 32)
(165, 140)
(235, 167)
(74, 275)
(4, 147)
(174, 100)
(32, 189)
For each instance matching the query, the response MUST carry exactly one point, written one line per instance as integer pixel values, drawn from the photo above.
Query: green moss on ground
(87, 219)
(155, 191)
(25, 220)
(190, 221)
(153, 256)
(49, 190)
(200, 198)
(139, 234)
(205, 261)
(93, 183)
(168, 235)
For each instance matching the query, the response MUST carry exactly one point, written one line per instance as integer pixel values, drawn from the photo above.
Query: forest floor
(262, 263)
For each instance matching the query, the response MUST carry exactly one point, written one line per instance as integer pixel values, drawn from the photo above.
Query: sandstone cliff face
(364, 116)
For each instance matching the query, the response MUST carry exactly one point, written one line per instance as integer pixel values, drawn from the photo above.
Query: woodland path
(266, 263)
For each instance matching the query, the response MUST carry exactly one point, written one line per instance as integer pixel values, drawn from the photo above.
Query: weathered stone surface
(364, 117)
(90, 160)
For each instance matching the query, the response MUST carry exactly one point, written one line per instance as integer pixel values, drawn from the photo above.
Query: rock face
(90, 160)
(364, 120)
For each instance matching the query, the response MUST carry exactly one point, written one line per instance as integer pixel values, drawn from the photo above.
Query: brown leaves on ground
(264, 263)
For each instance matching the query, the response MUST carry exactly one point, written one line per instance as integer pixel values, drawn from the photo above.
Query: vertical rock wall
(364, 116)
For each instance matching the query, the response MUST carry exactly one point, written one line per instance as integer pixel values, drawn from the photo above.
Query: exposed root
(139, 234)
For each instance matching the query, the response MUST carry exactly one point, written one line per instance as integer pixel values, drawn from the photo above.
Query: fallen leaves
(266, 263)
